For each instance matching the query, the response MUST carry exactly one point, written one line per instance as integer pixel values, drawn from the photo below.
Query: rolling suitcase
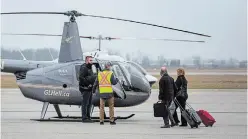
(159, 109)
(206, 118)
(194, 114)
(190, 115)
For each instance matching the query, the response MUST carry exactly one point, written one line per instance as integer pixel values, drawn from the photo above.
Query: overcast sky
(224, 20)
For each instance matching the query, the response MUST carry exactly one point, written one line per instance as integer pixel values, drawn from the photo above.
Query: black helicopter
(57, 84)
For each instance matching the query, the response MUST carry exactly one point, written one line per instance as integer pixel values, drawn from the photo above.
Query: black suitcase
(159, 109)
(190, 115)
(194, 114)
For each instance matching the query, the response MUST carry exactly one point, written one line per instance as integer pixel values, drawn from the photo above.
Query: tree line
(48, 54)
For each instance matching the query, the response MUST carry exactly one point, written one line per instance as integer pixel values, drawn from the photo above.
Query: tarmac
(228, 107)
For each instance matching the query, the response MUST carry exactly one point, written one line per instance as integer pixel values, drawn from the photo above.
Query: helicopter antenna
(50, 53)
(24, 58)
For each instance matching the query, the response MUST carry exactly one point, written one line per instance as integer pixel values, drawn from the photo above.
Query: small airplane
(57, 84)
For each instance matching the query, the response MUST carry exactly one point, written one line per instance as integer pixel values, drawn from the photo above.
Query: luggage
(190, 115)
(194, 114)
(206, 118)
(172, 107)
(159, 109)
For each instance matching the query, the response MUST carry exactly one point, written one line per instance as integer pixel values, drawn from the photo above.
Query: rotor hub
(73, 14)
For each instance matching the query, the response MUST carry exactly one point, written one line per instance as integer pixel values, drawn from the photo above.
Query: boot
(174, 124)
(87, 121)
(113, 123)
(165, 126)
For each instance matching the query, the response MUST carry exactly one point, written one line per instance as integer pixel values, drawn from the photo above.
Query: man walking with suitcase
(166, 95)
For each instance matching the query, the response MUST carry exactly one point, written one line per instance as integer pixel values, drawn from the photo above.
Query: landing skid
(77, 119)
(68, 118)
(93, 118)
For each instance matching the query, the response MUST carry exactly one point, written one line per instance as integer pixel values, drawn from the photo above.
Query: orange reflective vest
(104, 79)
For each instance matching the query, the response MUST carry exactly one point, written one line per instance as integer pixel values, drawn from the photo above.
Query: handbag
(182, 92)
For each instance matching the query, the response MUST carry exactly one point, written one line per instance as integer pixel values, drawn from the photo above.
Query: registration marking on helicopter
(49, 92)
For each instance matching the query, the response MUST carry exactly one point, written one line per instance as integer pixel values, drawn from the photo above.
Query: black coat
(167, 88)
(86, 77)
(181, 84)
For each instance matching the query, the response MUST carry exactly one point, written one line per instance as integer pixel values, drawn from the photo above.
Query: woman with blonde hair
(182, 95)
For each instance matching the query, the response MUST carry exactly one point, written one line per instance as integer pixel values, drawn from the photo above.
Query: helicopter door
(118, 88)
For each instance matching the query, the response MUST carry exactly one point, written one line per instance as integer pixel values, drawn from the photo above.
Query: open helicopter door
(118, 88)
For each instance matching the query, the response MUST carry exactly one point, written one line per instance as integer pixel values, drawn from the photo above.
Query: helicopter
(57, 84)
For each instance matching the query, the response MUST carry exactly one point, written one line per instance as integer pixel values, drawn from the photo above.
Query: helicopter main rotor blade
(75, 13)
(89, 37)
(34, 13)
(68, 13)
(162, 39)
(147, 24)
(105, 38)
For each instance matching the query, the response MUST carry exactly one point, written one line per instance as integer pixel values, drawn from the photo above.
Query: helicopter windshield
(135, 77)
(141, 69)
(129, 77)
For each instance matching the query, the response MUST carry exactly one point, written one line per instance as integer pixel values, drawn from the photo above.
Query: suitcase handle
(175, 100)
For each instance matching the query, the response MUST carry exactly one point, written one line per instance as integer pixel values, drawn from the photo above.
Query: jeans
(86, 104)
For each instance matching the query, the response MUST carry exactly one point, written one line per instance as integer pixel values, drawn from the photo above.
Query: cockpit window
(130, 69)
(77, 68)
(132, 72)
(117, 71)
(137, 78)
(138, 67)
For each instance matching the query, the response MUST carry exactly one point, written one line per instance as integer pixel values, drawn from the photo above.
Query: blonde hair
(180, 71)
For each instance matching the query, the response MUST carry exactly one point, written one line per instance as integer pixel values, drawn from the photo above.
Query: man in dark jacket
(166, 94)
(86, 81)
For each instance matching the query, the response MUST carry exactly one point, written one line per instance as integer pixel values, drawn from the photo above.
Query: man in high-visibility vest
(104, 81)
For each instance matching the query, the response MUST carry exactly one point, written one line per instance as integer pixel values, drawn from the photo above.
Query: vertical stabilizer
(70, 49)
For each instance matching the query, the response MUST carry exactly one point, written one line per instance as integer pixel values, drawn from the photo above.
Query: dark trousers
(86, 104)
(168, 115)
(182, 102)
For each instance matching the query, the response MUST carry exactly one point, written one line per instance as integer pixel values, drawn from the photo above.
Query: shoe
(183, 125)
(87, 121)
(101, 123)
(113, 123)
(174, 124)
(165, 126)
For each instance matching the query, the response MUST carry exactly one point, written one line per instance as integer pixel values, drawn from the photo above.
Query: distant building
(243, 64)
